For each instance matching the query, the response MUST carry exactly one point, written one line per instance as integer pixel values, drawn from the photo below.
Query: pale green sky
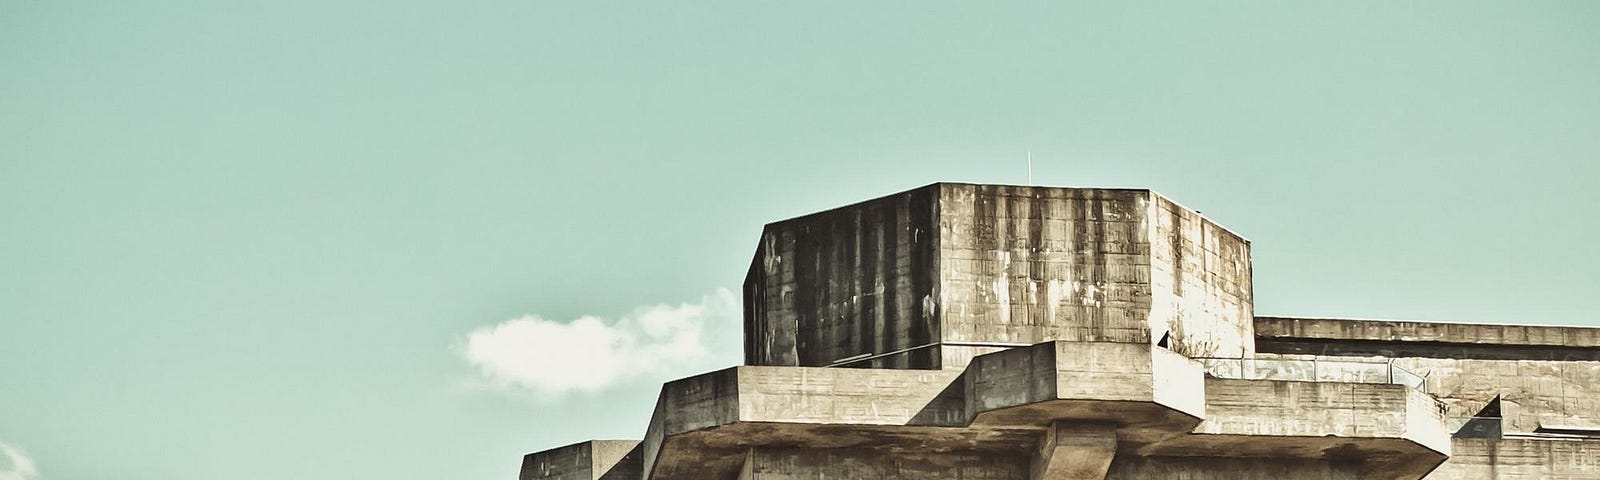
(249, 240)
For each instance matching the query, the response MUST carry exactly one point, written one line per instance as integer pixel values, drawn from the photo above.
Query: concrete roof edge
(848, 205)
(562, 447)
(1428, 322)
(1202, 215)
(942, 183)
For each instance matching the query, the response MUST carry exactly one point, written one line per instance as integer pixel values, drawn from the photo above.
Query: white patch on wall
(16, 465)
(551, 359)
(1002, 286)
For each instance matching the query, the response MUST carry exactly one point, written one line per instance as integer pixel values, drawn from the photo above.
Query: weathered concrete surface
(1032, 264)
(853, 281)
(1522, 459)
(1200, 276)
(1005, 332)
(1532, 387)
(812, 464)
(934, 276)
(1406, 331)
(703, 423)
(1074, 451)
(1531, 391)
(1129, 467)
(1023, 265)
(1387, 431)
(591, 460)
(1395, 339)
(1152, 401)
(1150, 393)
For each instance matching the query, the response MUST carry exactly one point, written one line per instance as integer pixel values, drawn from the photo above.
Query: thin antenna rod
(1030, 167)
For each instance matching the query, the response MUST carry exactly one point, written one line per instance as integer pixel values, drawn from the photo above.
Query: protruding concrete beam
(747, 472)
(1074, 451)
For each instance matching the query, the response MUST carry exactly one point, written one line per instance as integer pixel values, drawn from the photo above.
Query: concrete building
(986, 332)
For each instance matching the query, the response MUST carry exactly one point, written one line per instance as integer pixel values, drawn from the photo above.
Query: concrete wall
(812, 464)
(1313, 409)
(849, 396)
(1564, 393)
(1542, 374)
(1200, 282)
(1026, 265)
(1521, 459)
(571, 462)
(1127, 467)
(592, 460)
(617, 459)
(1533, 388)
(1030, 264)
(857, 280)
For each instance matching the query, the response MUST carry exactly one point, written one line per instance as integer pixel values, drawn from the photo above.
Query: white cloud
(15, 465)
(589, 354)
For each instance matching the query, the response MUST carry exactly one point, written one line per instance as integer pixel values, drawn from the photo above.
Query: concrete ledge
(1113, 372)
(1149, 393)
(1002, 402)
(1395, 432)
(1153, 399)
(703, 424)
(1407, 331)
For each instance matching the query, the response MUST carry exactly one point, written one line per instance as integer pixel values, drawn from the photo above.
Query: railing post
(1391, 371)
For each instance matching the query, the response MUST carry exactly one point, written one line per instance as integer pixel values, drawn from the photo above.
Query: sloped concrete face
(1074, 451)
(847, 283)
(592, 460)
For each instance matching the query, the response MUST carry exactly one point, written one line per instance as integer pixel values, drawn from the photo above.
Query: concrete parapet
(591, 460)
(1407, 331)
(1149, 392)
(1392, 431)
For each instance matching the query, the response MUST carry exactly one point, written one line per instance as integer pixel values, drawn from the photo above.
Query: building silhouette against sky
(988, 332)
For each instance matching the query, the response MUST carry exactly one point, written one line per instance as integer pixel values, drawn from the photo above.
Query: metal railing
(1312, 371)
